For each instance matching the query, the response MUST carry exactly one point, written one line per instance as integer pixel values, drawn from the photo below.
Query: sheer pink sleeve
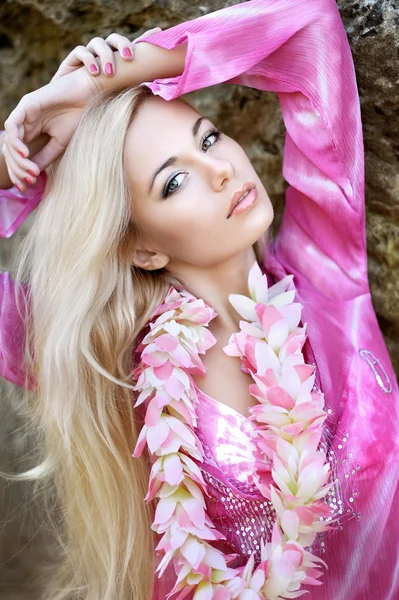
(12, 335)
(300, 51)
(15, 206)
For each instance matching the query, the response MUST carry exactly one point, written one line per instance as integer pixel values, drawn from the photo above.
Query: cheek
(187, 232)
(167, 230)
(181, 217)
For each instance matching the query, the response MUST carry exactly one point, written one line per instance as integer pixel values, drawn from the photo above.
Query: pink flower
(299, 522)
(289, 469)
(276, 296)
(210, 577)
(290, 565)
(167, 436)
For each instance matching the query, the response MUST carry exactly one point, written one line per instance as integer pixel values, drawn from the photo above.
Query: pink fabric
(300, 50)
(16, 206)
(12, 335)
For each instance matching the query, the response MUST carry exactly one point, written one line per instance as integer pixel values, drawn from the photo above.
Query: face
(182, 210)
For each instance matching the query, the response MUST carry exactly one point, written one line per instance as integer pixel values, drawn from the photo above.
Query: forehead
(160, 129)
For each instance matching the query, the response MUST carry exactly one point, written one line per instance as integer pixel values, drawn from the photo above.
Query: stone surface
(35, 36)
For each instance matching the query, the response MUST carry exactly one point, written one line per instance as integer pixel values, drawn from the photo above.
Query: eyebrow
(173, 159)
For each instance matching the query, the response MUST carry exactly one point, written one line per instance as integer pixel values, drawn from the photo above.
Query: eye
(167, 191)
(171, 188)
(216, 132)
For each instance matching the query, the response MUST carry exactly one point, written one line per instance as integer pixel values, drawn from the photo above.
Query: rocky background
(36, 35)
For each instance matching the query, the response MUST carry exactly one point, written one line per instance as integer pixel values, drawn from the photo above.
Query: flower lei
(288, 425)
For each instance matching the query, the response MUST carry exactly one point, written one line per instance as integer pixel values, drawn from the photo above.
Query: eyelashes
(166, 191)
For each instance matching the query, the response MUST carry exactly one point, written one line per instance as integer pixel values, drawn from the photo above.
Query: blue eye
(167, 191)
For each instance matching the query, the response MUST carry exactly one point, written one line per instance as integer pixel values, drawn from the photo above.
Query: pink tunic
(299, 50)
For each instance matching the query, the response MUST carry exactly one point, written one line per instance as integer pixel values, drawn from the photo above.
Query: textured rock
(35, 36)
(373, 30)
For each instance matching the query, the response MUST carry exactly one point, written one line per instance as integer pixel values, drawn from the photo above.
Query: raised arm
(15, 206)
(300, 51)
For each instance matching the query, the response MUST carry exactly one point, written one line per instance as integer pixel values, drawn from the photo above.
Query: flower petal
(244, 306)
(173, 469)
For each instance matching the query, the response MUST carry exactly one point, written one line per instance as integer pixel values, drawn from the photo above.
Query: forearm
(150, 62)
(34, 147)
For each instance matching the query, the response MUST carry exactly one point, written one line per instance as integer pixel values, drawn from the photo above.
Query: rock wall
(35, 36)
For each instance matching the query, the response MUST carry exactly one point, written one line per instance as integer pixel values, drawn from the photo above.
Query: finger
(15, 173)
(73, 59)
(15, 181)
(80, 55)
(86, 58)
(22, 167)
(28, 130)
(18, 146)
(15, 130)
(100, 47)
(14, 162)
(48, 154)
(122, 44)
(19, 172)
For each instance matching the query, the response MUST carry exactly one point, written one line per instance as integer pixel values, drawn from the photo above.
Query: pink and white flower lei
(288, 426)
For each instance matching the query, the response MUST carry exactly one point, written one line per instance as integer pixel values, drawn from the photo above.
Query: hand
(55, 109)
(98, 54)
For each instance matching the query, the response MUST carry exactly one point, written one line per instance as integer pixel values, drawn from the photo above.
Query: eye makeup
(166, 191)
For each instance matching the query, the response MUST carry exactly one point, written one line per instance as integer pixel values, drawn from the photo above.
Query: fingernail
(19, 152)
(93, 68)
(16, 185)
(27, 180)
(126, 52)
(32, 173)
(108, 69)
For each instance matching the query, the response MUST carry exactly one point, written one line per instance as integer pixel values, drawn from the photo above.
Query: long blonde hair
(87, 304)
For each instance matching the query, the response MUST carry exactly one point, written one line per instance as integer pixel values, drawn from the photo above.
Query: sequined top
(300, 51)
(234, 503)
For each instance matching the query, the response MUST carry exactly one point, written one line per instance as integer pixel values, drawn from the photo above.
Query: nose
(218, 170)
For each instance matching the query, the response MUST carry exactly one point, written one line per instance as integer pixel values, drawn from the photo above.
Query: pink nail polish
(108, 69)
(93, 68)
(32, 173)
(19, 152)
(27, 180)
(126, 52)
(16, 185)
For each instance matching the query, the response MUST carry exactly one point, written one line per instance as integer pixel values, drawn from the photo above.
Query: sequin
(235, 505)
(258, 515)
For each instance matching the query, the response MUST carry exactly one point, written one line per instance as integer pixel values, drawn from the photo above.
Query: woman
(253, 494)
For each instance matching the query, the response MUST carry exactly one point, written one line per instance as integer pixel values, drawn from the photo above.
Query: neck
(214, 283)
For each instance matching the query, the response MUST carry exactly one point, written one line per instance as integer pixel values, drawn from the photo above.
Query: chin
(259, 219)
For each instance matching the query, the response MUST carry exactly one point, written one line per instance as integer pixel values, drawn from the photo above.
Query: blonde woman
(196, 384)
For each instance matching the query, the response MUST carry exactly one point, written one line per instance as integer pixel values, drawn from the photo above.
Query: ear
(146, 259)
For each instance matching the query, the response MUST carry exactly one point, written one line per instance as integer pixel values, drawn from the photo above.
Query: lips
(247, 186)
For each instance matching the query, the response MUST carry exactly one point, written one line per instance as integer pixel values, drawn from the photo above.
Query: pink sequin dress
(299, 50)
